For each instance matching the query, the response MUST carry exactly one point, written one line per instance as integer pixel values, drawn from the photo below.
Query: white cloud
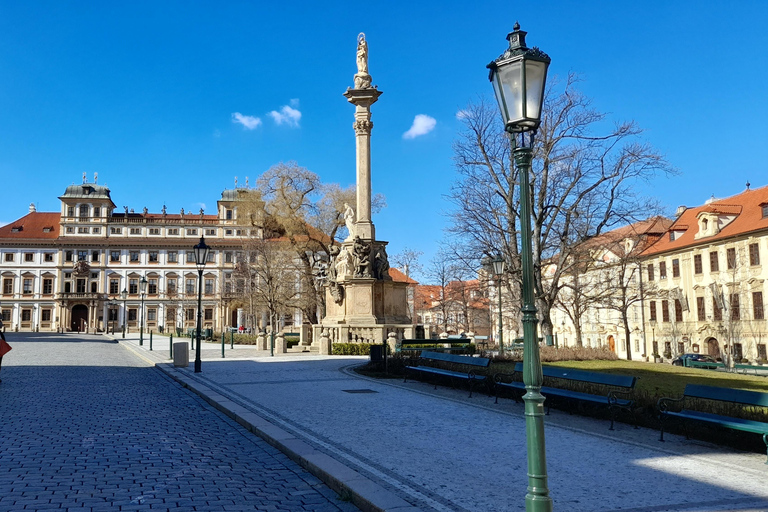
(289, 114)
(422, 125)
(249, 122)
(462, 114)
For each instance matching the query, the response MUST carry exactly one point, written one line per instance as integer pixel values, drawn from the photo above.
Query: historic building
(460, 307)
(698, 284)
(59, 271)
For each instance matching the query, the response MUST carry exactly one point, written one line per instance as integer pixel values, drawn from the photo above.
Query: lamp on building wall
(201, 258)
(519, 76)
(124, 296)
(143, 291)
(498, 269)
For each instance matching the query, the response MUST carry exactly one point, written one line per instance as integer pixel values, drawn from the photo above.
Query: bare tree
(582, 184)
(408, 260)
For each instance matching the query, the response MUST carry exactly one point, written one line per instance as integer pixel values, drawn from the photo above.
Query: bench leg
(765, 440)
(661, 422)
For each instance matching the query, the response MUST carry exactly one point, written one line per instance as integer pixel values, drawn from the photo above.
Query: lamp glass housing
(498, 265)
(124, 294)
(143, 285)
(201, 253)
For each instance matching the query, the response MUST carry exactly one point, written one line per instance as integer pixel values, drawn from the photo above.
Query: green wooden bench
(703, 364)
(457, 345)
(434, 363)
(716, 394)
(618, 388)
(750, 367)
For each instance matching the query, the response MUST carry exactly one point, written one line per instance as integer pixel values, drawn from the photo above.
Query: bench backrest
(454, 341)
(740, 396)
(606, 379)
(453, 358)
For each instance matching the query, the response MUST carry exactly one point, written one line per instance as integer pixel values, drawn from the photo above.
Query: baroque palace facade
(60, 270)
(699, 284)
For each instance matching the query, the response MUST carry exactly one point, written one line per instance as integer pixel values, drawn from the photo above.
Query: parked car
(699, 358)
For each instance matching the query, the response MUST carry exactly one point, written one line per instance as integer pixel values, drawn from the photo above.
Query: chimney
(680, 210)
(32, 208)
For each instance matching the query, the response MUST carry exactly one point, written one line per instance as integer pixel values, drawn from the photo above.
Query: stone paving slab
(440, 450)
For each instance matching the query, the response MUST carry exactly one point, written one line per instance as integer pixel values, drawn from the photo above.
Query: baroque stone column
(362, 96)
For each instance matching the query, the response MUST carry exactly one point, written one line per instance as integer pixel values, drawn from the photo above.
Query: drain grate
(359, 391)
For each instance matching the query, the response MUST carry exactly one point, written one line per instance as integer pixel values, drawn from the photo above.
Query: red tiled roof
(31, 226)
(399, 277)
(745, 206)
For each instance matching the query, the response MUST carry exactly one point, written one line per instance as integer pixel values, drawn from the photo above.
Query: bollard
(150, 340)
(222, 345)
(171, 345)
(231, 339)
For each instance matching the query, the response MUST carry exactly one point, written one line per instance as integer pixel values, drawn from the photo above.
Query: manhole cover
(359, 391)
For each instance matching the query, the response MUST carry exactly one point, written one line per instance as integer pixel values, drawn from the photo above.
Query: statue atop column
(362, 78)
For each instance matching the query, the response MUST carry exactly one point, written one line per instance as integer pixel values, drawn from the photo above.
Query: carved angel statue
(349, 221)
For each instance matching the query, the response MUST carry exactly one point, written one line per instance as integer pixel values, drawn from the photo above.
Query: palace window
(80, 286)
(154, 231)
(48, 257)
(697, 266)
(46, 315)
(735, 313)
(209, 286)
(675, 267)
(95, 256)
(173, 231)
(662, 270)
(114, 286)
(152, 286)
(70, 211)
(173, 257)
(96, 211)
(730, 258)
(701, 311)
(135, 231)
(678, 311)
(153, 256)
(114, 255)
(757, 306)
(83, 210)
(191, 232)
(754, 254)
(132, 314)
(133, 286)
(26, 286)
(171, 286)
(151, 315)
(134, 256)
(190, 289)
(717, 312)
(9, 257)
(208, 314)
(714, 262)
(116, 231)
(26, 315)
(83, 231)
(29, 257)
(82, 255)
(47, 286)
(190, 314)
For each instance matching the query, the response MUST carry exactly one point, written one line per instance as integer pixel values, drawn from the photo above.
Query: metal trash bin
(377, 352)
(181, 354)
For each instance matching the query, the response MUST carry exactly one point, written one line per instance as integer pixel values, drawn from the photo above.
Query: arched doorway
(713, 347)
(79, 318)
(611, 343)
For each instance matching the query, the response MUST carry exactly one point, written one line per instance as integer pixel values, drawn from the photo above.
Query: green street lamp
(111, 305)
(143, 291)
(201, 258)
(498, 270)
(124, 296)
(519, 76)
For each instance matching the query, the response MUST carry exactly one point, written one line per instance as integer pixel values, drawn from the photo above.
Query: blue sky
(169, 101)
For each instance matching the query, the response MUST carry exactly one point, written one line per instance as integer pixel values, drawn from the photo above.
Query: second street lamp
(201, 258)
(519, 76)
(124, 296)
(143, 290)
(498, 269)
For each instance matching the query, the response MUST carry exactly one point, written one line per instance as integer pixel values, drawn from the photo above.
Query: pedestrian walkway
(393, 446)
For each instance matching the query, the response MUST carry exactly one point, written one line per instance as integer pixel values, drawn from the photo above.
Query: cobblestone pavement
(89, 426)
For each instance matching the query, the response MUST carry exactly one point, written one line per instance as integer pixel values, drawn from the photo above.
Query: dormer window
(765, 209)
